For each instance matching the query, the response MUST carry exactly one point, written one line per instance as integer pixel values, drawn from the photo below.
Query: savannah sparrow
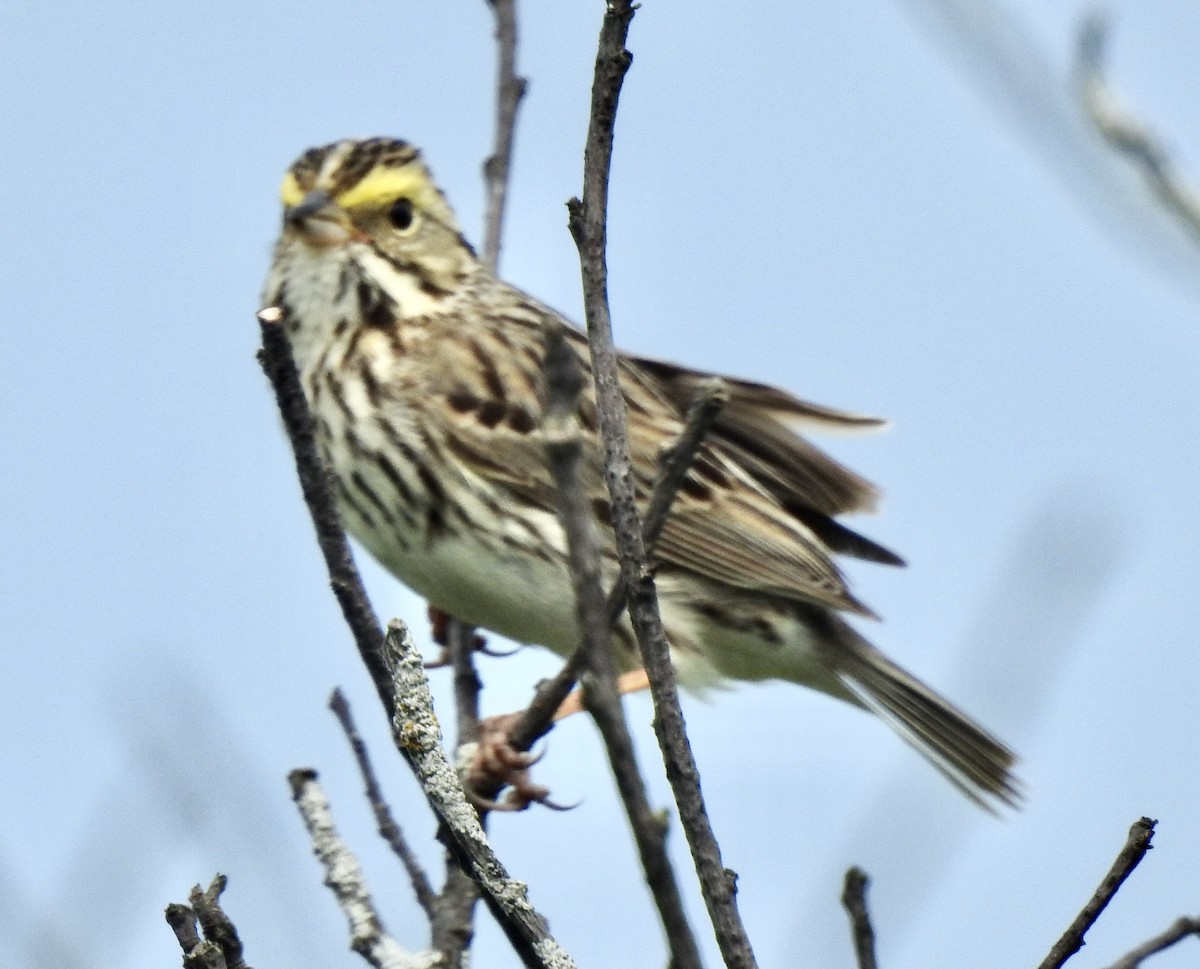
(423, 371)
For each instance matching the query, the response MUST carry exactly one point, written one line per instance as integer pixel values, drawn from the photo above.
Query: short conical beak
(319, 220)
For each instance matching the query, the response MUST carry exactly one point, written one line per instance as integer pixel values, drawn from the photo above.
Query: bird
(423, 371)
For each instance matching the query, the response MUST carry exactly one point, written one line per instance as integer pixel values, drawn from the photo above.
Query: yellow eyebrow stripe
(289, 191)
(384, 184)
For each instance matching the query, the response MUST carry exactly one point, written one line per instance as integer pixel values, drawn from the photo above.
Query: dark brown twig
(538, 717)
(461, 641)
(1136, 846)
(1177, 932)
(711, 397)
(453, 919)
(1126, 133)
(564, 381)
(275, 358)
(587, 222)
(514, 915)
(510, 89)
(389, 830)
(854, 901)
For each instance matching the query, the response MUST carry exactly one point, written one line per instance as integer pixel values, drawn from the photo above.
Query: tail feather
(972, 759)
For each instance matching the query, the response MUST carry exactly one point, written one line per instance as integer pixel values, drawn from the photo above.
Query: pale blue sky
(857, 202)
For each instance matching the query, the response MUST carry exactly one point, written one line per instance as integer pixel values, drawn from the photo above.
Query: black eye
(401, 213)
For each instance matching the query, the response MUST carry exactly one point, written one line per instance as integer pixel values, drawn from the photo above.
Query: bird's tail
(972, 759)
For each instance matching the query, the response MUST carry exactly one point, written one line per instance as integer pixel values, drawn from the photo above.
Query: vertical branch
(564, 380)
(510, 89)
(454, 911)
(453, 916)
(587, 222)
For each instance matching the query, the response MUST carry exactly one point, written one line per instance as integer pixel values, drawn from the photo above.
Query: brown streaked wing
(738, 533)
(758, 428)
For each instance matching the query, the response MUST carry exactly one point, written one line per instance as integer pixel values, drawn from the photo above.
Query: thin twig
(453, 918)
(854, 901)
(564, 381)
(587, 223)
(1126, 133)
(416, 730)
(537, 718)
(345, 879)
(711, 397)
(453, 921)
(1136, 846)
(388, 828)
(461, 641)
(510, 89)
(275, 358)
(1177, 932)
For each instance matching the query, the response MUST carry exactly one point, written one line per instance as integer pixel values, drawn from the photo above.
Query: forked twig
(216, 945)
(587, 219)
(564, 446)
(537, 719)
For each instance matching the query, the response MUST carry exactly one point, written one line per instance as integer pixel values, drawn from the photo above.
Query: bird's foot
(494, 763)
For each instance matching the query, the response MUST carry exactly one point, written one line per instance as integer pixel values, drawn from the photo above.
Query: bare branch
(711, 397)
(510, 89)
(275, 358)
(535, 721)
(1126, 133)
(854, 901)
(220, 947)
(461, 641)
(1177, 932)
(344, 876)
(416, 730)
(564, 447)
(388, 828)
(1136, 846)
(453, 921)
(587, 223)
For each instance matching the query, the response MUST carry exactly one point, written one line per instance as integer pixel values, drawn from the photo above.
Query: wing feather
(756, 510)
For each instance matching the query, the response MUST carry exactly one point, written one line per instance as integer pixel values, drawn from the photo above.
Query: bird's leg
(629, 682)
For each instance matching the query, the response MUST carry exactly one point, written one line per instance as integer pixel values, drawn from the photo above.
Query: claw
(495, 761)
(481, 646)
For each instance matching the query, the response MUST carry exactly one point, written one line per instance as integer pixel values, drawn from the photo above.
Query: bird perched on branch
(424, 374)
